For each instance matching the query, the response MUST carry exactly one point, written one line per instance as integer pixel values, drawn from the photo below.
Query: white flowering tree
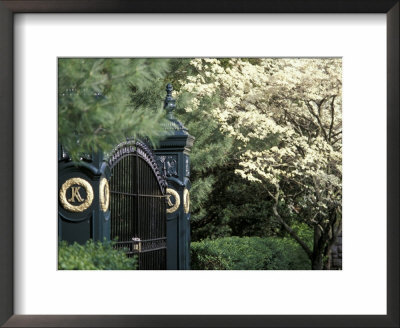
(286, 119)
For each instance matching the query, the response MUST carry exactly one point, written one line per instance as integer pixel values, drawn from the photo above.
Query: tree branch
(286, 226)
(321, 127)
(332, 117)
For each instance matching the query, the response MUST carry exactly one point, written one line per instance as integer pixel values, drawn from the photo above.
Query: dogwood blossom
(286, 117)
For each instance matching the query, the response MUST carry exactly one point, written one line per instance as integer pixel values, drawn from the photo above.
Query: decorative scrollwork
(174, 206)
(104, 194)
(75, 184)
(168, 165)
(137, 147)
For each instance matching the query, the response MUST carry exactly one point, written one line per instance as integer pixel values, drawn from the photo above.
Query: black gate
(138, 205)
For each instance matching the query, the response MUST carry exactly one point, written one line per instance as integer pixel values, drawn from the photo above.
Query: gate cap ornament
(169, 102)
(169, 106)
(75, 184)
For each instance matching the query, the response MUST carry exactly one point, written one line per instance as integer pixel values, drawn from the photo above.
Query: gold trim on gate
(186, 201)
(104, 191)
(86, 202)
(172, 192)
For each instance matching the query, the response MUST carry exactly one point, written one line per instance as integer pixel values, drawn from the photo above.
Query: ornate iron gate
(138, 205)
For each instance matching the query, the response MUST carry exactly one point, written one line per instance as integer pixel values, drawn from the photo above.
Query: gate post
(173, 160)
(83, 207)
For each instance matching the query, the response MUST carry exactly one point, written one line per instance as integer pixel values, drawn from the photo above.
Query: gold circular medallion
(75, 184)
(175, 195)
(186, 201)
(104, 194)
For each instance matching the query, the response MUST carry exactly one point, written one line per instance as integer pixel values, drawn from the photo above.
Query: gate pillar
(83, 193)
(173, 160)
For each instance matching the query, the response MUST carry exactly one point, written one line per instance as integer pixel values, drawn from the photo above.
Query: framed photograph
(359, 36)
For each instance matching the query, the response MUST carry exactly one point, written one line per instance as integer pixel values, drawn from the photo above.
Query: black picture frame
(7, 10)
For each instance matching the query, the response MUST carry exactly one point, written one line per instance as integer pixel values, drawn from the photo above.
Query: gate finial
(169, 102)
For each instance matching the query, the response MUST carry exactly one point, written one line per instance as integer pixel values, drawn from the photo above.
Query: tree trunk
(317, 254)
(317, 262)
(327, 265)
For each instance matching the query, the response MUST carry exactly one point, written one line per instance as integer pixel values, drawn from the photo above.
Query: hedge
(248, 253)
(93, 256)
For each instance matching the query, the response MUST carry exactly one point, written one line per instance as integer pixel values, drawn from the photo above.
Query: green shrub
(248, 253)
(93, 256)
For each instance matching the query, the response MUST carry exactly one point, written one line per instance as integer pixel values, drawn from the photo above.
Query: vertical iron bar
(137, 210)
(122, 201)
(137, 203)
(132, 200)
(126, 189)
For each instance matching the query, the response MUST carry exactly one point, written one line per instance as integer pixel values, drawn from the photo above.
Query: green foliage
(95, 107)
(93, 256)
(248, 253)
(211, 149)
(210, 156)
(222, 203)
(305, 233)
(233, 210)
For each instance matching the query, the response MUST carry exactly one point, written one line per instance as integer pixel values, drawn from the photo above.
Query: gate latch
(137, 244)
